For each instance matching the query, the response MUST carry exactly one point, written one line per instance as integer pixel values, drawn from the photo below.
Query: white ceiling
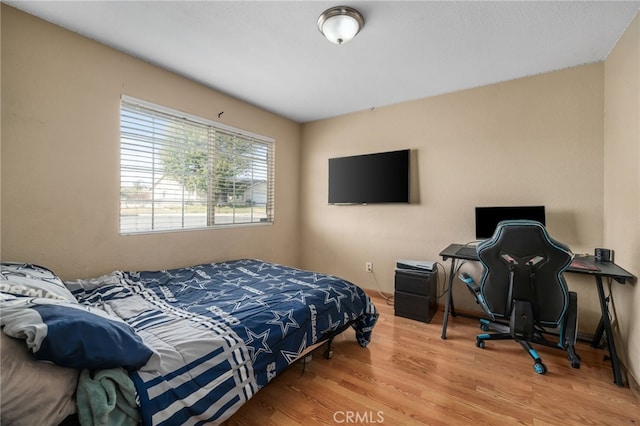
(271, 54)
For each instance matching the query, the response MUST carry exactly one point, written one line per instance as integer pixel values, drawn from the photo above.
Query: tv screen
(487, 218)
(371, 178)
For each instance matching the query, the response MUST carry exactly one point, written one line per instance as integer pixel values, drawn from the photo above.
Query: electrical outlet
(368, 266)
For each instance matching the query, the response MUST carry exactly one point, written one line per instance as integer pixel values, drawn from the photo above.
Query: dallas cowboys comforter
(219, 332)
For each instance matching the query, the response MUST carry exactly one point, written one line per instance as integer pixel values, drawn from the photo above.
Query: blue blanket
(221, 331)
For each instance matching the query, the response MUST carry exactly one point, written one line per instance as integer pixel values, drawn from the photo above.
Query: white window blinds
(183, 172)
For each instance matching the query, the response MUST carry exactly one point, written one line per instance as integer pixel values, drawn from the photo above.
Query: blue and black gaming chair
(522, 283)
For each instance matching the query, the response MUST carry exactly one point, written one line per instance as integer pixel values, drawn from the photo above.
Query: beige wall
(536, 140)
(622, 186)
(60, 157)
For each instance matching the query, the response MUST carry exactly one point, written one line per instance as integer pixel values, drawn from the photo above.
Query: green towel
(107, 398)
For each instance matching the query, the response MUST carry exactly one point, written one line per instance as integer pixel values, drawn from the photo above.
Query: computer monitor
(487, 218)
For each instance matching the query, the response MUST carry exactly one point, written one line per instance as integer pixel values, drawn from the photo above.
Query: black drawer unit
(415, 294)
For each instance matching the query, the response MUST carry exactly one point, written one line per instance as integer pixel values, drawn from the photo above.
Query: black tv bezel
(400, 195)
(500, 213)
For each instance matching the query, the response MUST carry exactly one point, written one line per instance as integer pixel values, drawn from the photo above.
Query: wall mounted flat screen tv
(370, 178)
(487, 218)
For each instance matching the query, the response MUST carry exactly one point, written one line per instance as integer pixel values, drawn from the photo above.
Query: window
(183, 172)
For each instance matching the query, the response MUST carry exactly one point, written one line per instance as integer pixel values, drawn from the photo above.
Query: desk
(606, 270)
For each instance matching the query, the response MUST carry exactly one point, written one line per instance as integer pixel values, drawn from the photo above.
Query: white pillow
(24, 279)
(33, 392)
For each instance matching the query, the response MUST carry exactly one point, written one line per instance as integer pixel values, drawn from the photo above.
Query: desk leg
(613, 354)
(448, 304)
(597, 337)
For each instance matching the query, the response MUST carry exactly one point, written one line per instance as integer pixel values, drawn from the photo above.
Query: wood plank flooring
(409, 376)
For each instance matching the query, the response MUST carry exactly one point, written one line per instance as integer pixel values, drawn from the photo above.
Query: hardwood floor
(409, 376)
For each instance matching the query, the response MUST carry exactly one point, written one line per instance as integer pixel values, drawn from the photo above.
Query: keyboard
(467, 251)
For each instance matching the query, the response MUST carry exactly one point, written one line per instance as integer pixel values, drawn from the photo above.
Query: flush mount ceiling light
(340, 24)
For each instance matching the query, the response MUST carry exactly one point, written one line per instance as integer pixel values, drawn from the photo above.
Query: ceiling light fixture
(340, 24)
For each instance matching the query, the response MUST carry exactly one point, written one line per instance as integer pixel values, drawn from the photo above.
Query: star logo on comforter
(284, 320)
(261, 345)
(333, 295)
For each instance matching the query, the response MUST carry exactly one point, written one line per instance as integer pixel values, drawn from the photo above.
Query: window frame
(218, 136)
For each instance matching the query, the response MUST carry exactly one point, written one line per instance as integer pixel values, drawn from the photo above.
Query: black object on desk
(582, 265)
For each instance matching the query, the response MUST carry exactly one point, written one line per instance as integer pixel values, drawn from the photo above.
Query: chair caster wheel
(328, 354)
(484, 327)
(539, 368)
(480, 343)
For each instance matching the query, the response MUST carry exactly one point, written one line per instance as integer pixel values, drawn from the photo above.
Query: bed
(181, 346)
